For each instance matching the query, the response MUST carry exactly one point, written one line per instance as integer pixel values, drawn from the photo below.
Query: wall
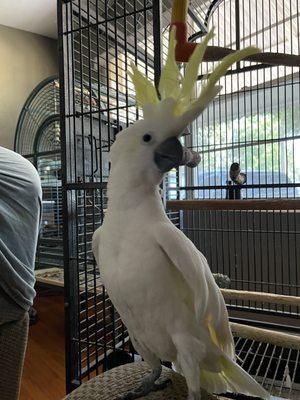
(25, 60)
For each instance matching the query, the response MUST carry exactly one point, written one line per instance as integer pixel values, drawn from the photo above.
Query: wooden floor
(44, 370)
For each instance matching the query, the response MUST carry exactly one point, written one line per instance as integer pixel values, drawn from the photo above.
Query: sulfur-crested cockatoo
(159, 282)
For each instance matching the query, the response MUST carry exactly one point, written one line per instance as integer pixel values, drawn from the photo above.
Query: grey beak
(170, 154)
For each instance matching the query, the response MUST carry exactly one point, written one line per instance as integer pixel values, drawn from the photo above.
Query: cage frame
(71, 287)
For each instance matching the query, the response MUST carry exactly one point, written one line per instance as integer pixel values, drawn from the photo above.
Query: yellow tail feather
(232, 378)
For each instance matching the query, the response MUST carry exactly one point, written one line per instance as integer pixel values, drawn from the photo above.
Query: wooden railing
(250, 204)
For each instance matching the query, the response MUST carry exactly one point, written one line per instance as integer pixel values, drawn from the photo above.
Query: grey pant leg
(14, 323)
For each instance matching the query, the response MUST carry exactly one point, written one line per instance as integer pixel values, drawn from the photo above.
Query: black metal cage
(254, 121)
(98, 42)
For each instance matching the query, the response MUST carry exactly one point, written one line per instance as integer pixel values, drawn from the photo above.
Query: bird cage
(249, 231)
(38, 139)
(254, 123)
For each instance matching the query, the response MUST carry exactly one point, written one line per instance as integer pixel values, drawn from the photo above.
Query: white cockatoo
(158, 281)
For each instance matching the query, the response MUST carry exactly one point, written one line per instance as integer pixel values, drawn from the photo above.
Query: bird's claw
(145, 389)
(161, 385)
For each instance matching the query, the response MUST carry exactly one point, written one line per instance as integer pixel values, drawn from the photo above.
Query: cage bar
(254, 121)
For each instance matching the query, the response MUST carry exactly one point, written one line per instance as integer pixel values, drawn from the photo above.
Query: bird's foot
(162, 384)
(145, 388)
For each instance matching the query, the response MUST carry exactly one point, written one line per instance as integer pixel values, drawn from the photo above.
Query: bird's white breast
(143, 285)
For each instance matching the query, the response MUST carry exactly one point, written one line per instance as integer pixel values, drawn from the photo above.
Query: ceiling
(36, 16)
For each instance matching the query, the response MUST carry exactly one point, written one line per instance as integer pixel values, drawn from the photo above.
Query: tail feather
(213, 382)
(232, 378)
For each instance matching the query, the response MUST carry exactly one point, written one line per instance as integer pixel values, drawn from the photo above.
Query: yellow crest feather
(169, 83)
(222, 68)
(191, 73)
(145, 91)
(172, 85)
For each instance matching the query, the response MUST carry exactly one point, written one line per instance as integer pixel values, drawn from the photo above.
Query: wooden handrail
(266, 336)
(253, 204)
(263, 297)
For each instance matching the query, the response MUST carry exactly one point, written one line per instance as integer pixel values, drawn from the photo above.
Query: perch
(266, 336)
(271, 298)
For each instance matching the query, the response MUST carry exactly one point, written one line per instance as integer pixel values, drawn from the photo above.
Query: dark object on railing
(223, 281)
(237, 177)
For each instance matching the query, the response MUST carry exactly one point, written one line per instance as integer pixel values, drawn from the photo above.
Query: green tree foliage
(261, 142)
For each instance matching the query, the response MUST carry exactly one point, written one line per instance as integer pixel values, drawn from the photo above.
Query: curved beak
(171, 154)
(168, 154)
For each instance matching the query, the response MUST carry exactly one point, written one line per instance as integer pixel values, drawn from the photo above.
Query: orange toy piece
(184, 49)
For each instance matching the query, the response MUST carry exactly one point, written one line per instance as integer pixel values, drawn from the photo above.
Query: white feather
(158, 281)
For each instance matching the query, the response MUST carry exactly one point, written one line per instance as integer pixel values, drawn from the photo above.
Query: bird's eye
(147, 137)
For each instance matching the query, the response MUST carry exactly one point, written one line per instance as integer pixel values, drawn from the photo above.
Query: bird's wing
(209, 305)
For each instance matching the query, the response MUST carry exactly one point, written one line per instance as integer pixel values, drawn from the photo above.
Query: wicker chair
(120, 380)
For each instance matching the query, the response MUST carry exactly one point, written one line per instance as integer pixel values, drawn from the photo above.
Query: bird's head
(151, 147)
